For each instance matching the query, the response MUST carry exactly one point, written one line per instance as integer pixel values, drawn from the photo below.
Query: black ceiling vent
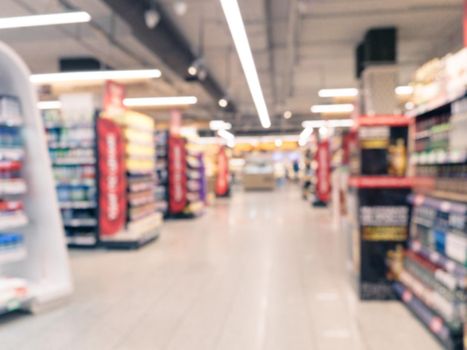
(81, 64)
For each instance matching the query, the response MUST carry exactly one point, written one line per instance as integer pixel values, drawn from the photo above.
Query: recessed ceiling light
(333, 108)
(95, 76)
(223, 103)
(287, 114)
(160, 101)
(345, 92)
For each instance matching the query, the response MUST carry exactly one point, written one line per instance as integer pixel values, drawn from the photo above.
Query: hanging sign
(114, 94)
(323, 185)
(177, 175)
(112, 177)
(465, 23)
(175, 122)
(222, 181)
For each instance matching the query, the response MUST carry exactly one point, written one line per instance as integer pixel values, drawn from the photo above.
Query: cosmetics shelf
(12, 255)
(34, 271)
(433, 322)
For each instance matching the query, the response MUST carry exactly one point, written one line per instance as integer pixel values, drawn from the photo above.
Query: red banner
(323, 172)
(114, 94)
(465, 23)
(112, 177)
(222, 181)
(177, 175)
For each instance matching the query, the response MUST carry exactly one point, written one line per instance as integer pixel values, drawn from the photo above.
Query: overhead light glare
(160, 101)
(44, 20)
(344, 92)
(237, 29)
(95, 76)
(333, 123)
(43, 105)
(333, 108)
(404, 90)
(287, 114)
(223, 103)
(219, 125)
(226, 135)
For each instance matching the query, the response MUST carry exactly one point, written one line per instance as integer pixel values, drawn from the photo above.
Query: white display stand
(45, 265)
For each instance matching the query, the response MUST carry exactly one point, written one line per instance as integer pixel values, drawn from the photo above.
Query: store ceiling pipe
(165, 40)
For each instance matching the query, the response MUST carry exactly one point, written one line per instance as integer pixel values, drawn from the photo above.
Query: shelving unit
(72, 147)
(143, 220)
(432, 273)
(162, 172)
(34, 270)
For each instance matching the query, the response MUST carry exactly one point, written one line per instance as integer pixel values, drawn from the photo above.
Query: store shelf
(11, 153)
(78, 205)
(71, 182)
(439, 157)
(441, 205)
(453, 267)
(74, 161)
(79, 222)
(12, 221)
(61, 145)
(381, 182)
(81, 241)
(434, 323)
(383, 120)
(12, 187)
(12, 122)
(12, 255)
(436, 103)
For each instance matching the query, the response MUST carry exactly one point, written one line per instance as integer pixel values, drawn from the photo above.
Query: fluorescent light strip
(44, 20)
(49, 105)
(219, 125)
(345, 92)
(334, 108)
(336, 123)
(228, 136)
(237, 29)
(69, 77)
(160, 101)
(404, 90)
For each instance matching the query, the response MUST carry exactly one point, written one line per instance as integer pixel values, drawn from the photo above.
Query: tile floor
(260, 271)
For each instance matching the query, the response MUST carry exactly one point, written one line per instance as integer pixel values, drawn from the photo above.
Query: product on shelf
(71, 141)
(33, 261)
(379, 212)
(432, 273)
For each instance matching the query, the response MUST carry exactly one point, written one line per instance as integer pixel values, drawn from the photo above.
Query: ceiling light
(306, 132)
(192, 70)
(152, 18)
(44, 20)
(49, 105)
(346, 92)
(404, 90)
(237, 30)
(323, 131)
(160, 101)
(335, 108)
(95, 76)
(333, 123)
(226, 135)
(287, 114)
(219, 125)
(180, 7)
(223, 103)
(278, 143)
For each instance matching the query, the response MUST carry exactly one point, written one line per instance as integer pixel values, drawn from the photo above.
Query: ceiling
(299, 46)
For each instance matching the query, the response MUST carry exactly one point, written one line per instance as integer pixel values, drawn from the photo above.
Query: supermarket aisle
(263, 271)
